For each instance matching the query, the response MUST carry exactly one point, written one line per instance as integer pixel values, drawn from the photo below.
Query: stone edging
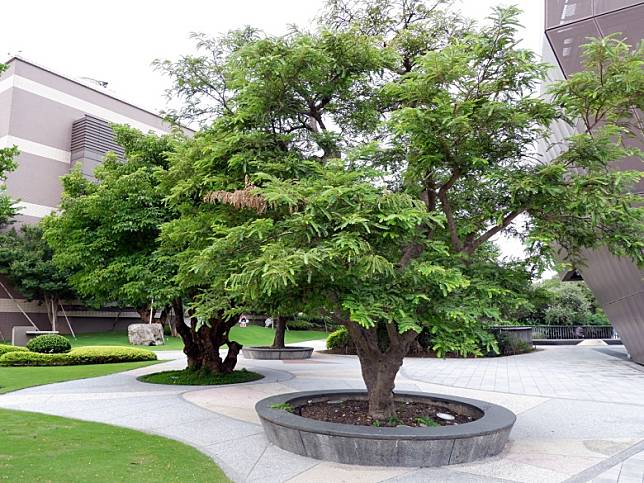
(268, 353)
(381, 446)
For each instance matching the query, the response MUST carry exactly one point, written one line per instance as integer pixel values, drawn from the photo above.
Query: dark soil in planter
(409, 413)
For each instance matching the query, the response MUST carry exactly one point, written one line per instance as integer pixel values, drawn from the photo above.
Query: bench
(21, 335)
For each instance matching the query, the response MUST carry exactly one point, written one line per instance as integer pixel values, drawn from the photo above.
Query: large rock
(145, 334)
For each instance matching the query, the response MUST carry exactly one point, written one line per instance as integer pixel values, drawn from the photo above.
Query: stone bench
(22, 334)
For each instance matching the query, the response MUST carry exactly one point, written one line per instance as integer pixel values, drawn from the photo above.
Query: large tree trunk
(379, 374)
(380, 366)
(280, 331)
(202, 346)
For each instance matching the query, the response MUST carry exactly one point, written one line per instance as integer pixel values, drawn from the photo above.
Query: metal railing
(559, 332)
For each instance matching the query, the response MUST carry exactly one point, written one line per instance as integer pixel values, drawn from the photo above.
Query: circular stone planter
(270, 353)
(382, 446)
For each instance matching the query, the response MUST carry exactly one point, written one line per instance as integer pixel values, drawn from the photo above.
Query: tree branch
(509, 218)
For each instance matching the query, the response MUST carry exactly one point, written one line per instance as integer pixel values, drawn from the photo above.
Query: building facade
(57, 122)
(616, 282)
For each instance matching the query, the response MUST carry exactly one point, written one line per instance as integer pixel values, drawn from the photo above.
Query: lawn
(14, 378)
(252, 335)
(36, 447)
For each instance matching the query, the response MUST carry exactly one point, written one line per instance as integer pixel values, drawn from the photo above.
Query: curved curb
(379, 446)
(286, 353)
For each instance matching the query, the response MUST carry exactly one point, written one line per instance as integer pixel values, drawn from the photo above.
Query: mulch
(355, 412)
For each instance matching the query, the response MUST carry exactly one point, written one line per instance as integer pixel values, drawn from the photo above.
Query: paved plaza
(580, 414)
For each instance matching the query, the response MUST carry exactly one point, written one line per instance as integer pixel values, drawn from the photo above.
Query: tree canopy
(362, 170)
(366, 167)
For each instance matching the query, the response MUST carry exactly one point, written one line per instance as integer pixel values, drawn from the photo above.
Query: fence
(559, 332)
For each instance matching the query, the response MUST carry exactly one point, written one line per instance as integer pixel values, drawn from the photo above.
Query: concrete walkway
(580, 414)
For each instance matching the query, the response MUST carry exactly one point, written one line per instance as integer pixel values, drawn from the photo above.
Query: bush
(340, 340)
(509, 345)
(78, 356)
(4, 349)
(49, 344)
(300, 325)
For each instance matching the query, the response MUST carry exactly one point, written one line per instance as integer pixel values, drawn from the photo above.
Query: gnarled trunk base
(380, 362)
(202, 346)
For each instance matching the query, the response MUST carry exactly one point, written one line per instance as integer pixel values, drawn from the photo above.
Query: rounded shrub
(4, 349)
(49, 344)
(340, 340)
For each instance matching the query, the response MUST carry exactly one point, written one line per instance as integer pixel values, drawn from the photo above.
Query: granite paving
(580, 414)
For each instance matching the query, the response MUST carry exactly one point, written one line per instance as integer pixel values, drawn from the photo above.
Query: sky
(117, 41)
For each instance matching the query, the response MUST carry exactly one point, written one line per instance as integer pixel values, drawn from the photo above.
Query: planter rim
(285, 349)
(495, 418)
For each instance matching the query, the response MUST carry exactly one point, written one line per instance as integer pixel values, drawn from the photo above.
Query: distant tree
(26, 261)
(105, 234)
(564, 303)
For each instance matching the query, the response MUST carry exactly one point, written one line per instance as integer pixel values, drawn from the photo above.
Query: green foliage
(453, 337)
(360, 170)
(300, 325)
(553, 302)
(283, 406)
(106, 232)
(78, 356)
(509, 345)
(49, 344)
(27, 261)
(200, 377)
(340, 339)
(427, 421)
(4, 349)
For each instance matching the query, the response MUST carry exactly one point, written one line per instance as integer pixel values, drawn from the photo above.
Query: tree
(365, 168)
(105, 234)
(26, 260)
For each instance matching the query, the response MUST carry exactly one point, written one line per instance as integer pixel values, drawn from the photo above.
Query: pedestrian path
(571, 435)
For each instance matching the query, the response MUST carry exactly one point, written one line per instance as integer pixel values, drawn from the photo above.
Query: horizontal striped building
(57, 122)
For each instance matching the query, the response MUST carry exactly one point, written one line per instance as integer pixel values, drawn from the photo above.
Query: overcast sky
(116, 40)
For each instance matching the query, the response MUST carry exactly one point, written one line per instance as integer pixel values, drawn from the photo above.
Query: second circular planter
(268, 353)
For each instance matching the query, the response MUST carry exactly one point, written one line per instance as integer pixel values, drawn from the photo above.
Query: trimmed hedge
(4, 349)
(49, 344)
(78, 356)
(300, 325)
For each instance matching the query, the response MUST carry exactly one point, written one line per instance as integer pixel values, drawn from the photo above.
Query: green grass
(14, 378)
(252, 335)
(37, 447)
(187, 377)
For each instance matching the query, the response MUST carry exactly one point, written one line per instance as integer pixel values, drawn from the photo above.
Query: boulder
(145, 334)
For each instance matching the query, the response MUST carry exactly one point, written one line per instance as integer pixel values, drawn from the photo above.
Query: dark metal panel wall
(616, 282)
